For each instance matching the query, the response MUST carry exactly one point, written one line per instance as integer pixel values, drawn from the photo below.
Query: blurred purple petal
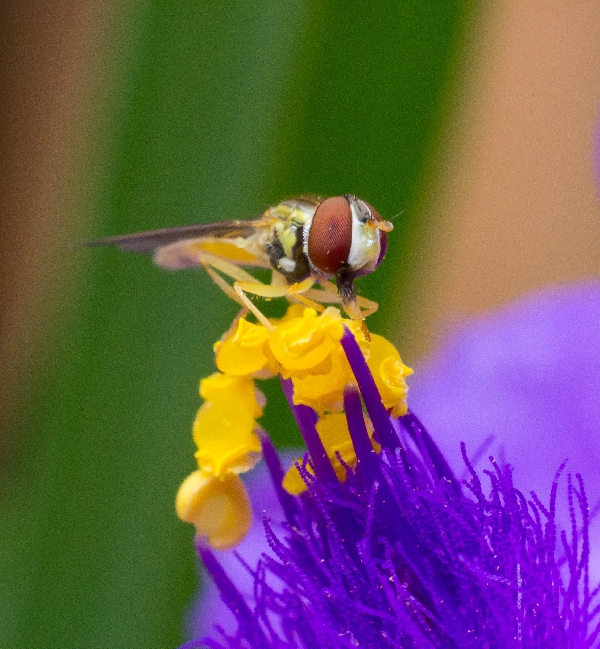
(210, 608)
(529, 375)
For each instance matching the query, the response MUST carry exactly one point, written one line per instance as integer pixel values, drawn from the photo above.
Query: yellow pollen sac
(246, 352)
(234, 389)
(304, 345)
(224, 427)
(218, 507)
(389, 373)
(325, 392)
(334, 433)
(292, 481)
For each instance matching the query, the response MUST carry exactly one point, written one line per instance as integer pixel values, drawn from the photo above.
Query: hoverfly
(304, 241)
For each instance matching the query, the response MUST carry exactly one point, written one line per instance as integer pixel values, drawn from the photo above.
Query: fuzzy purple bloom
(523, 384)
(404, 555)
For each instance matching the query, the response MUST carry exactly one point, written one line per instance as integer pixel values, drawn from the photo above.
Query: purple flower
(524, 385)
(404, 554)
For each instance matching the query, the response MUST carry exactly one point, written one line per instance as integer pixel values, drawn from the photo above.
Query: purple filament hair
(306, 418)
(400, 556)
(373, 403)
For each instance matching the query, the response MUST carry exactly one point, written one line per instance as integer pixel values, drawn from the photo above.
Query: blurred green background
(218, 110)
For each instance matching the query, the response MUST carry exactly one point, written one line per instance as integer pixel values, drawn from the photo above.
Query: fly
(305, 241)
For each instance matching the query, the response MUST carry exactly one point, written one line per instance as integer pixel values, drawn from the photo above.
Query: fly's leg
(364, 307)
(368, 307)
(297, 292)
(221, 283)
(293, 292)
(228, 290)
(212, 264)
(323, 297)
(246, 283)
(248, 304)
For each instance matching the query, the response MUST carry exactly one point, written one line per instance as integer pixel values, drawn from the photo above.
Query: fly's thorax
(292, 212)
(285, 246)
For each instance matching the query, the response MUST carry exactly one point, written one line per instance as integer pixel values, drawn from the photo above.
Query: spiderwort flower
(384, 547)
(304, 348)
(522, 383)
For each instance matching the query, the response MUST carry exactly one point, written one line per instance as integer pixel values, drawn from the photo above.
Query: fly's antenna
(397, 215)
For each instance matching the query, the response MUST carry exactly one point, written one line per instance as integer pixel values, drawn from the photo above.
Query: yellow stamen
(389, 373)
(325, 392)
(218, 507)
(303, 346)
(223, 434)
(246, 352)
(224, 387)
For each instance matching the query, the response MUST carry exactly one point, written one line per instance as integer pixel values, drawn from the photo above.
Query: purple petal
(529, 375)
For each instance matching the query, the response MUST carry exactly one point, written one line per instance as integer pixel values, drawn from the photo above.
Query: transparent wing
(184, 247)
(149, 242)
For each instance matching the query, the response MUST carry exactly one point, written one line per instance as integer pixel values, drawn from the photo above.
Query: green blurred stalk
(226, 108)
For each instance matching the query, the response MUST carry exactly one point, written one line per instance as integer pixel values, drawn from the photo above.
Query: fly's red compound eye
(330, 235)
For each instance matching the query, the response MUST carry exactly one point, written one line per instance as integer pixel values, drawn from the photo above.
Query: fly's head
(347, 235)
(345, 239)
